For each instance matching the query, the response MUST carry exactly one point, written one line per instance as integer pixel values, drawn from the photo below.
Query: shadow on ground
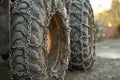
(3, 70)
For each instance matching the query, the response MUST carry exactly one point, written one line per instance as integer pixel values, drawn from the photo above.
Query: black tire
(82, 35)
(29, 28)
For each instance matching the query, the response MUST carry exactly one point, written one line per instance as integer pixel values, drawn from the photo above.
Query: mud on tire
(32, 56)
(82, 35)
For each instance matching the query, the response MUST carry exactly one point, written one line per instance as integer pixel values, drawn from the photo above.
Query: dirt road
(107, 64)
(109, 48)
(104, 69)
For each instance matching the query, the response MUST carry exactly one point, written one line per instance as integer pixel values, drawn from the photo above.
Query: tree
(112, 15)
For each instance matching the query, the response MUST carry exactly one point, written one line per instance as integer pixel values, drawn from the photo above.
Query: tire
(30, 29)
(82, 35)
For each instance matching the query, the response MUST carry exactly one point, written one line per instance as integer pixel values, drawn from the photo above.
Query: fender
(4, 26)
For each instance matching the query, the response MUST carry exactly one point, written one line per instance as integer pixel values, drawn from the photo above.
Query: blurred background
(107, 24)
(107, 18)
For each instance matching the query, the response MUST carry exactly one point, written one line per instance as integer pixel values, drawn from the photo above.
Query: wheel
(82, 35)
(56, 48)
(39, 40)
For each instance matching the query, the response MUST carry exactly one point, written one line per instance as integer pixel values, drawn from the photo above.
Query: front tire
(32, 57)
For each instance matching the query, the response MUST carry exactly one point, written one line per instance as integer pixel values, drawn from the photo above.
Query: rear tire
(82, 35)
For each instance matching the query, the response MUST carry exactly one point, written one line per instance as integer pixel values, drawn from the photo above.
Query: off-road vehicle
(44, 38)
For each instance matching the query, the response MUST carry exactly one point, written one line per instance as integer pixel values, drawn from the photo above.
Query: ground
(109, 48)
(106, 66)
(4, 73)
(104, 69)
(107, 63)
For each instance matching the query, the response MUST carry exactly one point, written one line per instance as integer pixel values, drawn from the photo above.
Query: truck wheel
(82, 35)
(32, 56)
(57, 48)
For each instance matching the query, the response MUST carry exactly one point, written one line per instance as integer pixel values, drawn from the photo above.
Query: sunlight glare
(100, 5)
(109, 25)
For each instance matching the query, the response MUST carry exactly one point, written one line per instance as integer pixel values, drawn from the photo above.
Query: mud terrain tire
(31, 22)
(82, 35)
